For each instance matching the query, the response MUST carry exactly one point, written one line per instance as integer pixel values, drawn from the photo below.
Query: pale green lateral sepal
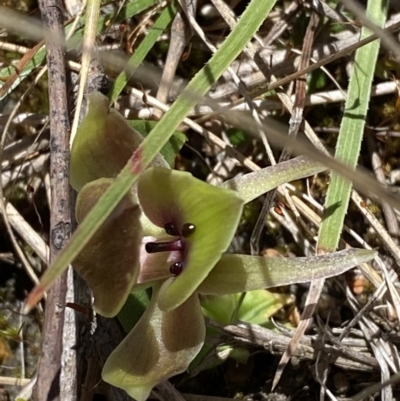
(161, 345)
(110, 261)
(240, 273)
(169, 196)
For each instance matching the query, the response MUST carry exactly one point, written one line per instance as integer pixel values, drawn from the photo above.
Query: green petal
(253, 185)
(103, 144)
(160, 346)
(240, 273)
(169, 196)
(110, 261)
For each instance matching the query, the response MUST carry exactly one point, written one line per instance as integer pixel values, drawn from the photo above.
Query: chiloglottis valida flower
(171, 232)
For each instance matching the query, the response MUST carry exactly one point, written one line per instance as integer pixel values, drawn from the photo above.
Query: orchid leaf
(133, 309)
(173, 146)
(253, 185)
(219, 308)
(110, 261)
(169, 196)
(103, 144)
(256, 307)
(240, 273)
(160, 346)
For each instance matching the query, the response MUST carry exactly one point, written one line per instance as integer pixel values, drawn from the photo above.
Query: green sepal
(241, 273)
(110, 261)
(169, 196)
(160, 346)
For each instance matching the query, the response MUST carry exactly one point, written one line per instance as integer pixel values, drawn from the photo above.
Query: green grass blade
(145, 46)
(245, 29)
(351, 131)
(131, 9)
(5, 73)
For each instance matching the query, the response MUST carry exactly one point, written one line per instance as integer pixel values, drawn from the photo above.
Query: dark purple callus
(154, 247)
(175, 245)
(171, 229)
(188, 229)
(176, 268)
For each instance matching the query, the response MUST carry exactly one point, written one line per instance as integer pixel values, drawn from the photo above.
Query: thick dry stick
(48, 383)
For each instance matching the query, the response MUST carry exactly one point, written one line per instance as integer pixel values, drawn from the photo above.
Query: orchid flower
(170, 233)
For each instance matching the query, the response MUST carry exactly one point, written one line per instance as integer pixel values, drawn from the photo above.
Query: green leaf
(110, 261)
(237, 136)
(219, 308)
(316, 81)
(133, 309)
(240, 273)
(256, 307)
(160, 346)
(169, 196)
